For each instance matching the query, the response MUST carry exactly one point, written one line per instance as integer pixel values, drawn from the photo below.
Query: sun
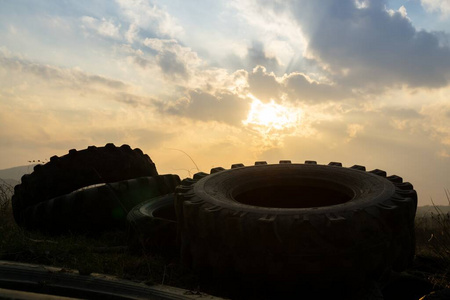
(267, 117)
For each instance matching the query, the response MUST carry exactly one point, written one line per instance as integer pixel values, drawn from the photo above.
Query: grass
(6, 191)
(433, 243)
(108, 253)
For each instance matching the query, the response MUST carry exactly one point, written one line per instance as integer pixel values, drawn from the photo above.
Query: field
(109, 252)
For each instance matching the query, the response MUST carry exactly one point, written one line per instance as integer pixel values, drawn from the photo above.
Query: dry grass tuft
(433, 242)
(6, 192)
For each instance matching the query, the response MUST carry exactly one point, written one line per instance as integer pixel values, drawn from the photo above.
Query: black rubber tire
(77, 169)
(96, 208)
(64, 282)
(355, 227)
(153, 225)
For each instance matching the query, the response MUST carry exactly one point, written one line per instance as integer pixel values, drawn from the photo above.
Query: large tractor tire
(301, 224)
(65, 174)
(96, 208)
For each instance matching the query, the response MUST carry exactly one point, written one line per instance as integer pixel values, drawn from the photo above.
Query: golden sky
(358, 82)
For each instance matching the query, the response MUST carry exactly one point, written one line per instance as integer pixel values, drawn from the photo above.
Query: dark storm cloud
(370, 46)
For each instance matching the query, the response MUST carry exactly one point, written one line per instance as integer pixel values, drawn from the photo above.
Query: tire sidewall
(367, 189)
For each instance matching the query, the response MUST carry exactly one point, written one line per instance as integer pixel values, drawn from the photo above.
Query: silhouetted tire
(96, 208)
(308, 224)
(42, 281)
(77, 169)
(153, 224)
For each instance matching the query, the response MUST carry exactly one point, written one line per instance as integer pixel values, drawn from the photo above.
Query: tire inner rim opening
(166, 212)
(293, 194)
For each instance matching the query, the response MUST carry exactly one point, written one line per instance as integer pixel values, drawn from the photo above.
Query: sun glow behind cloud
(271, 117)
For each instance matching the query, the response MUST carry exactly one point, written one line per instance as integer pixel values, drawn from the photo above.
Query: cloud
(65, 77)
(440, 6)
(256, 55)
(277, 34)
(436, 120)
(134, 100)
(174, 60)
(160, 45)
(369, 47)
(147, 17)
(293, 87)
(264, 85)
(103, 27)
(180, 69)
(403, 12)
(353, 130)
(300, 87)
(171, 65)
(142, 62)
(132, 33)
(224, 107)
(402, 113)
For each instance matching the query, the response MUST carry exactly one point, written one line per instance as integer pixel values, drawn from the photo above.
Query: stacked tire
(153, 226)
(88, 190)
(296, 224)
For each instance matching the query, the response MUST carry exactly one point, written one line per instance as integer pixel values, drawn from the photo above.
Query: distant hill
(16, 173)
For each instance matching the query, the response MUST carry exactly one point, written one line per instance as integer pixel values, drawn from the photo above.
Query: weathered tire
(286, 223)
(78, 169)
(96, 208)
(63, 282)
(153, 224)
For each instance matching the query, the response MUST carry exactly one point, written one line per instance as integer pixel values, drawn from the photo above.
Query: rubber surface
(153, 225)
(78, 169)
(68, 283)
(355, 237)
(97, 208)
(19, 295)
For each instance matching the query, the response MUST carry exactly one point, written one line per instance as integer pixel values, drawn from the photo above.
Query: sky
(362, 82)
